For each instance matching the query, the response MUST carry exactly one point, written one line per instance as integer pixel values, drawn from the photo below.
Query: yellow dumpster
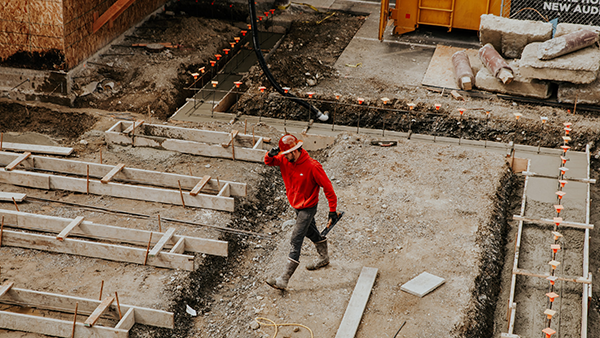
(409, 14)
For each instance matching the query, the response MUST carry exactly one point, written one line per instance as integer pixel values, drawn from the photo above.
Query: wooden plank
(225, 191)
(142, 193)
(141, 176)
(136, 124)
(179, 247)
(103, 307)
(112, 173)
(18, 160)
(583, 180)
(25, 179)
(36, 148)
(231, 138)
(5, 287)
(127, 321)
(200, 185)
(64, 303)
(195, 148)
(115, 10)
(108, 232)
(258, 144)
(65, 232)
(161, 243)
(55, 327)
(523, 272)
(111, 252)
(357, 304)
(8, 196)
(549, 221)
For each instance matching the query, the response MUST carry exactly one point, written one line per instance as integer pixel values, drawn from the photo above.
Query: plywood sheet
(440, 72)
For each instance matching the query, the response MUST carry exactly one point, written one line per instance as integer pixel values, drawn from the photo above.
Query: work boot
(323, 259)
(282, 281)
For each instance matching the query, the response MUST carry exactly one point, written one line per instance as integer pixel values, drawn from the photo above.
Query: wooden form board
(38, 149)
(63, 303)
(549, 221)
(8, 196)
(87, 229)
(118, 253)
(190, 141)
(136, 192)
(357, 304)
(140, 176)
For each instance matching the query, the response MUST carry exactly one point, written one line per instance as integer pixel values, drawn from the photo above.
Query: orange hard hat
(289, 143)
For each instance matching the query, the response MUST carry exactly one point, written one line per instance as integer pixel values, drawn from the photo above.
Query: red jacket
(302, 180)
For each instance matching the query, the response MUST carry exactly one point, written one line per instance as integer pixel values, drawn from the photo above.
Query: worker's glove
(333, 217)
(273, 152)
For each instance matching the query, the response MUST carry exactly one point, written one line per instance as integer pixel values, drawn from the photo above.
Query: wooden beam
(18, 160)
(161, 243)
(54, 327)
(92, 230)
(127, 321)
(5, 287)
(36, 148)
(258, 143)
(549, 221)
(64, 303)
(111, 14)
(200, 185)
(134, 125)
(93, 318)
(118, 253)
(583, 180)
(65, 232)
(524, 272)
(179, 247)
(112, 173)
(225, 191)
(8, 196)
(232, 136)
(140, 176)
(32, 180)
(357, 304)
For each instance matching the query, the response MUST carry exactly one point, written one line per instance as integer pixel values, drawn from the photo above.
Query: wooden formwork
(144, 189)
(125, 315)
(234, 145)
(152, 242)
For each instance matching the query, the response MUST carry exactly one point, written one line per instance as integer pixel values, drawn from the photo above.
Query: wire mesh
(584, 12)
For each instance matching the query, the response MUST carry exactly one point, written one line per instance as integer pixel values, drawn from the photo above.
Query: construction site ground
(410, 208)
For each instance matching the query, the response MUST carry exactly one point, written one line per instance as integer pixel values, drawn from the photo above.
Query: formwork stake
(15, 202)
(118, 305)
(101, 287)
(181, 193)
(74, 320)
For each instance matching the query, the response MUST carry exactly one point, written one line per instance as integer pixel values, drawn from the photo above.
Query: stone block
(579, 67)
(583, 93)
(422, 284)
(567, 28)
(510, 36)
(519, 86)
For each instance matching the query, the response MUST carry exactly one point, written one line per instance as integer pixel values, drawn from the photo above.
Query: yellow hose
(272, 323)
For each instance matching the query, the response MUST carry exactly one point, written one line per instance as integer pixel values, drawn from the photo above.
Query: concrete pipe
(463, 72)
(565, 44)
(495, 63)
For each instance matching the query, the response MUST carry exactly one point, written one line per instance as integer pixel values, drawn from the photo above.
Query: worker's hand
(333, 217)
(274, 151)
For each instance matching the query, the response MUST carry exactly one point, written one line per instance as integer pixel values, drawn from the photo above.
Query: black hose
(401, 326)
(263, 65)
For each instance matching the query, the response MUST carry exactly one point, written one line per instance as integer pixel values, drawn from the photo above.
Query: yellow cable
(258, 320)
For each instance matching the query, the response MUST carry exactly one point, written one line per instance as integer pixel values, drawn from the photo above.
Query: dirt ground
(421, 207)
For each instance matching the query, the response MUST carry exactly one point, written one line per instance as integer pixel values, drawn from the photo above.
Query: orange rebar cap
(289, 143)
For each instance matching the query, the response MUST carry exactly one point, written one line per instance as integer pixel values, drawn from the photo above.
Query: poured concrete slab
(519, 86)
(510, 36)
(582, 93)
(422, 284)
(578, 67)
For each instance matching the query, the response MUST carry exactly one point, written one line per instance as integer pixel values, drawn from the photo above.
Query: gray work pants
(305, 227)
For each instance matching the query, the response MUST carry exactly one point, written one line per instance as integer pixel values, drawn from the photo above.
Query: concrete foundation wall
(510, 36)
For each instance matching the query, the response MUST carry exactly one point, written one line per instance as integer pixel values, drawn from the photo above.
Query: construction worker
(302, 176)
